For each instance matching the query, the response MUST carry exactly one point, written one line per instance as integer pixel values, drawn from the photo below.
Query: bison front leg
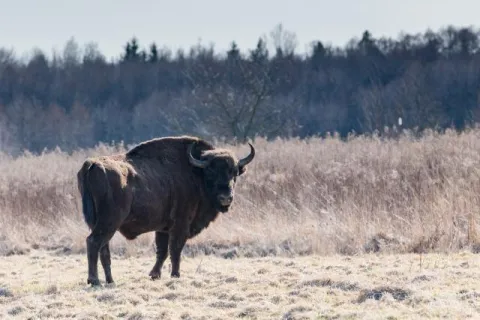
(178, 238)
(161, 243)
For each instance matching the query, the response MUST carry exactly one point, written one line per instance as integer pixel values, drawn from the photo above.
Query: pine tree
(260, 54)
(234, 52)
(153, 57)
(131, 50)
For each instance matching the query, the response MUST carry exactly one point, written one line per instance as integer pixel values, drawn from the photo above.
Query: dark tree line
(78, 98)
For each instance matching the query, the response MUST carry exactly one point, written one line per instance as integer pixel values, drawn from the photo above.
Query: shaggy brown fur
(160, 185)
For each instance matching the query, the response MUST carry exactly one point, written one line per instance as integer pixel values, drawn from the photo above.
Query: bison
(174, 186)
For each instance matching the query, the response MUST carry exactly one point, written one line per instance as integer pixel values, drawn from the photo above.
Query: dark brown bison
(174, 186)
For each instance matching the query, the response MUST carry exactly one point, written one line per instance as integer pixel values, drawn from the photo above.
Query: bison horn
(195, 162)
(243, 162)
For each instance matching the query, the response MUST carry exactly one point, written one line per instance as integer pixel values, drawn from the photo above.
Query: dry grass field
(43, 285)
(319, 228)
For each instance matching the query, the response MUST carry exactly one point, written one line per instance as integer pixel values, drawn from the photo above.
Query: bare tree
(239, 97)
(283, 40)
(71, 53)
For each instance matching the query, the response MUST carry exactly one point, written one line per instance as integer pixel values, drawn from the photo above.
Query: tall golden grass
(298, 197)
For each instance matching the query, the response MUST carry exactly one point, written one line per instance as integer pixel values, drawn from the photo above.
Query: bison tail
(88, 207)
(93, 187)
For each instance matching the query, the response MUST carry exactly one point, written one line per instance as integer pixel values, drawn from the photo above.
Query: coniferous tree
(153, 56)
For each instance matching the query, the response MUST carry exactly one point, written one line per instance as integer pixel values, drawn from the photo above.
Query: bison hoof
(155, 274)
(93, 282)
(175, 274)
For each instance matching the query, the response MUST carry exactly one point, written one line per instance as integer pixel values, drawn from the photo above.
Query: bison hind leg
(95, 242)
(106, 262)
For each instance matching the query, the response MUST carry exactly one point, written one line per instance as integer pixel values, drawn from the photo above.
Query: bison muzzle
(174, 186)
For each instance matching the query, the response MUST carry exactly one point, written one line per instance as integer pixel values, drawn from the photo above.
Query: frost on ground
(41, 285)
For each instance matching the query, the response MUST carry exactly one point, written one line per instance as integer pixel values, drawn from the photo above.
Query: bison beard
(174, 186)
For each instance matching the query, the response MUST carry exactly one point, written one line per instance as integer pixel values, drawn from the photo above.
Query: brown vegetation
(301, 196)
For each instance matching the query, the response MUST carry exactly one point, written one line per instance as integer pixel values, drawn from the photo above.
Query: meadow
(319, 228)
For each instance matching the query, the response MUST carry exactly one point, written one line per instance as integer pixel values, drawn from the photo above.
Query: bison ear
(242, 170)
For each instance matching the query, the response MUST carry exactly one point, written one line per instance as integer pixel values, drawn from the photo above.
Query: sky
(49, 24)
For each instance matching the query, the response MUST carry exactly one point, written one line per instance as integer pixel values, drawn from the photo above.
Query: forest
(78, 98)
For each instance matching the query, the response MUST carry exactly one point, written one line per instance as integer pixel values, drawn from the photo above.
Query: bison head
(220, 168)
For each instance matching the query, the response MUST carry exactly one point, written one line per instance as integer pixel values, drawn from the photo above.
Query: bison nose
(225, 199)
